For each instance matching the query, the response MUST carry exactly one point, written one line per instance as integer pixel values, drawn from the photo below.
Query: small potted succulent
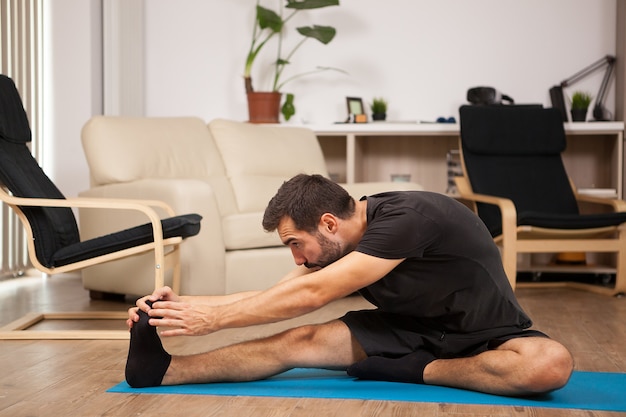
(580, 105)
(379, 108)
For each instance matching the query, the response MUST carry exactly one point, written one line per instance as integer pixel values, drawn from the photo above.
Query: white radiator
(21, 42)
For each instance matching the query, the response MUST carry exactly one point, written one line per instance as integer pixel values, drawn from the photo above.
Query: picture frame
(356, 111)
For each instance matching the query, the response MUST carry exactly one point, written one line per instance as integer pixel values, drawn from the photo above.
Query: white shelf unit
(374, 151)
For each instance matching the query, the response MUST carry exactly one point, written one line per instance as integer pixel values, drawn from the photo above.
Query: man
(446, 313)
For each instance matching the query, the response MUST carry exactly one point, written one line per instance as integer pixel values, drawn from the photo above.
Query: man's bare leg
(521, 366)
(327, 345)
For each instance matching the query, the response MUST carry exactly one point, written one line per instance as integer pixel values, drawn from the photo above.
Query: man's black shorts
(393, 335)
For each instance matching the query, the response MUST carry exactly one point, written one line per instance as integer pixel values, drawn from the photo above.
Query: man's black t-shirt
(452, 279)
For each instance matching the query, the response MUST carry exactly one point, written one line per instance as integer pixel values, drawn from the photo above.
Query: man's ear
(329, 223)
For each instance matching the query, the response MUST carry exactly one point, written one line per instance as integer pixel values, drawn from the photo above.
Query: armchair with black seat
(514, 176)
(54, 244)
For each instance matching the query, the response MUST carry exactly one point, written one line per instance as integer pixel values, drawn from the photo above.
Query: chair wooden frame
(529, 239)
(164, 260)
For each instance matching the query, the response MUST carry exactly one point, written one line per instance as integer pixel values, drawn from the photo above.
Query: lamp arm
(599, 112)
(608, 59)
(605, 81)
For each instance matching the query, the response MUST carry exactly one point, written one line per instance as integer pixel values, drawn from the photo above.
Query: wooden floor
(69, 378)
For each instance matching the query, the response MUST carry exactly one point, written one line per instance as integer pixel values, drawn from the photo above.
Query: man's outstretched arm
(167, 294)
(287, 299)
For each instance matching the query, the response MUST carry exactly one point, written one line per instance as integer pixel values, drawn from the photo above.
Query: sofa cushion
(244, 231)
(149, 147)
(259, 158)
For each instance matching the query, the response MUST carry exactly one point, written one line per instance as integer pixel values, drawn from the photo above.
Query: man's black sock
(147, 360)
(409, 368)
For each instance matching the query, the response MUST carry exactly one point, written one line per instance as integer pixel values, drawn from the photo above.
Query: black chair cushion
(185, 226)
(495, 130)
(514, 152)
(523, 182)
(14, 125)
(53, 227)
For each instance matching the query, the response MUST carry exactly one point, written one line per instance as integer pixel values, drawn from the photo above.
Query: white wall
(422, 55)
(72, 88)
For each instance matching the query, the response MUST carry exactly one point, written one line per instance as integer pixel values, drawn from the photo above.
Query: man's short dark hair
(304, 199)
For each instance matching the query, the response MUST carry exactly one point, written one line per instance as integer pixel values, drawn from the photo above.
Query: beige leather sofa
(225, 171)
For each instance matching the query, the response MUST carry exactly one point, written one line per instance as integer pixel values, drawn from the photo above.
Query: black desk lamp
(599, 112)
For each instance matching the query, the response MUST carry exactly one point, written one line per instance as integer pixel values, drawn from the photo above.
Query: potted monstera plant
(264, 106)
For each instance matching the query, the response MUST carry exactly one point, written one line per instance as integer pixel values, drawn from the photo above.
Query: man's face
(311, 250)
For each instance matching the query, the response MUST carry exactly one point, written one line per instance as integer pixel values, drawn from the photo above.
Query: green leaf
(324, 34)
(310, 4)
(268, 19)
(288, 109)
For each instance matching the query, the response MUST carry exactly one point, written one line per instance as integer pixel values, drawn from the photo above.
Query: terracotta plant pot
(263, 107)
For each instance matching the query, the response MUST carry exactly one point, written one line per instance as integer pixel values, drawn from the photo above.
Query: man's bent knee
(559, 365)
(550, 367)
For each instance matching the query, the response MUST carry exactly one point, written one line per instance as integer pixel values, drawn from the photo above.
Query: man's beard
(331, 251)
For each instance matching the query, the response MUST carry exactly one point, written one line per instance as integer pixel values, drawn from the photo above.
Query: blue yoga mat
(585, 390)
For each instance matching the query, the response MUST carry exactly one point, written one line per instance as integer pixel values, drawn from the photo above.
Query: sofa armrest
(614, 204)
(202, 258)
(182, 195)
